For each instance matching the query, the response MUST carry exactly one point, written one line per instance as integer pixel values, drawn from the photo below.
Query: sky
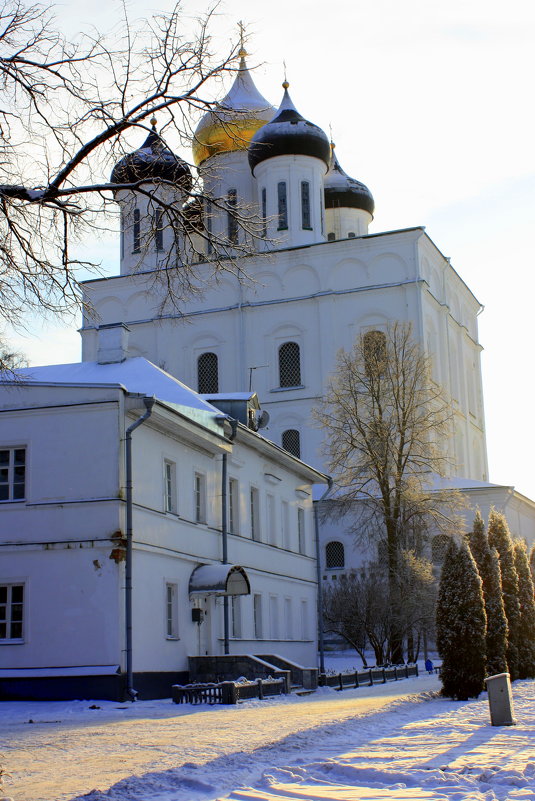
(431, 106)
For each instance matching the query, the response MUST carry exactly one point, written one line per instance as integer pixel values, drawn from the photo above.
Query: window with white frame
(271, 528)
(12, 474)
(233, 506)
(257, 616)
(11, 612)
(169, 485)
(236, 615)
(301, 530)
(199, 497)
(304, 619)
(288, 619)
(254, 506)
(171, 611)
(289, 365)
(274, 617)
(285, 524)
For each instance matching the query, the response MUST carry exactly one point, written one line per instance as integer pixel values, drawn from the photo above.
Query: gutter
(321, 646)
(224, 533)
(149, 403)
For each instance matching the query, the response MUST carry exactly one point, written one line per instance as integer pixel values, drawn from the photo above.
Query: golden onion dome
(233, 122)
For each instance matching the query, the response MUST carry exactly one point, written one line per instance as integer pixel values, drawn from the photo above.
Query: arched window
(305, 205)
(232, 221)
(374, 350)
(158, 229)
(282, 198)
(439, 546)
(334, 554)
(351, 235)
(207, 373)
(137, 231)
(331, 236)
(291, 442)
(289, 365)
(264, 212)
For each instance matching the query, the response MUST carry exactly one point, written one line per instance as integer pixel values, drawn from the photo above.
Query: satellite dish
(262, 419)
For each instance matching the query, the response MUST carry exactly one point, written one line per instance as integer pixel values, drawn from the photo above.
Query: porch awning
(219, 580)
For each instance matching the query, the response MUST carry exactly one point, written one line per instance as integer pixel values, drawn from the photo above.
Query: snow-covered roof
(136, 375)
(219, 580)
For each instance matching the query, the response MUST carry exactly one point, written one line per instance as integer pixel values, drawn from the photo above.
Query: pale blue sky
(431, 105)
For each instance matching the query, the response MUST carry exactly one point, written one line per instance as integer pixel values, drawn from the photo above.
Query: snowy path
(69, 749)
(330, 746)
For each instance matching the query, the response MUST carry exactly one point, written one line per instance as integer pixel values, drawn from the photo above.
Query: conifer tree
(532, 562)
(526, 640)
(487, 562)
(500, 538)
(461, 625)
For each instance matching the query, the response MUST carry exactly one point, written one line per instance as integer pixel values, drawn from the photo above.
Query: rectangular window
(282, 205)
(264, 212)
(274, 617)
(255, 514)
(12, 474)
(236, 615)
(301, 530)
(208, 217)
(137, 231)
(272, 533)
(171, 611)
(11, 612)
(199, 488)
(158, 229)
(232, 223)
(305, 205)
(233, 506)
(169, 486)
(288, 621)
(304, 620)
(285, 521)
(257, 613)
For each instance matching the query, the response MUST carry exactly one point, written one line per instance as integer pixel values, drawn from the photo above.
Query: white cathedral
(316, 279)
(320, 279)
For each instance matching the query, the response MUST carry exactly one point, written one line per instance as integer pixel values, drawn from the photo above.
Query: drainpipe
(149, 403)
(224, 534)
(321, 647)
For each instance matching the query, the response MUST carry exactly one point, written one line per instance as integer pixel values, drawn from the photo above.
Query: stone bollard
(500, 700)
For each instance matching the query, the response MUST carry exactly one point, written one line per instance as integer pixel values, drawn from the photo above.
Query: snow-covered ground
(396, 741)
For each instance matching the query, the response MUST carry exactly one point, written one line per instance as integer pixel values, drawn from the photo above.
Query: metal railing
(226, 692)
(367, 678)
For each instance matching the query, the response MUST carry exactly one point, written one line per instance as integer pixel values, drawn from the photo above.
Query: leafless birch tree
(386, 422)
(65, 116)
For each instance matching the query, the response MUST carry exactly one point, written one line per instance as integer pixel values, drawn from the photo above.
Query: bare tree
(356, 608)
(386, 421)
(64, 121)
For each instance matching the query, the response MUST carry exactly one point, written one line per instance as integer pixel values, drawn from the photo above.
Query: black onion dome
(288, 134)
(341, 191)
(153, 161)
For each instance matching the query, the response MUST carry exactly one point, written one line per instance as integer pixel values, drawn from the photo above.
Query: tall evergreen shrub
(461, 625)
(526, 640)
(500, 538)
(487, 562)
(532, 562)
